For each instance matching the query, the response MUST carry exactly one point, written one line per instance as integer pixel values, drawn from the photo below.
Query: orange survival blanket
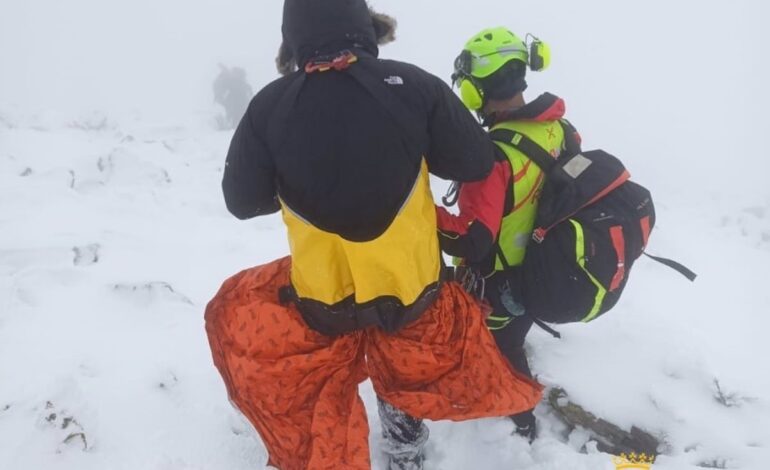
(300, 389)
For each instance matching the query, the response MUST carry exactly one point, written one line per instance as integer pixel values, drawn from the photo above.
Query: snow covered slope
(113, 233)
(114, 239)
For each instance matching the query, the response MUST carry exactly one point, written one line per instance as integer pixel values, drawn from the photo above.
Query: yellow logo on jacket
(634, 461)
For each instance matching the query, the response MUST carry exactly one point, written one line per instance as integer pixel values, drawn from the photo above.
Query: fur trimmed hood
(312, 26)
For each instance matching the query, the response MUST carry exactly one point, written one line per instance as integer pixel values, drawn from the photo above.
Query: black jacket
(331, 150)
(338, 158)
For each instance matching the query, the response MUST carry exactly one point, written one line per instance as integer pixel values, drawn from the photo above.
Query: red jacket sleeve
(472, 233)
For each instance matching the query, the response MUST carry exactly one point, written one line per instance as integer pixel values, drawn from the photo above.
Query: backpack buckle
(539, 235)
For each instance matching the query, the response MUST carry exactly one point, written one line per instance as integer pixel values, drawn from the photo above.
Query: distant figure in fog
(232, 92)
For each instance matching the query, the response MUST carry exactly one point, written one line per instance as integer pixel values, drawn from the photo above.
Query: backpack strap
(543, 326)
(681, 269)
(525, 145)
(533, 150)
(572, 140)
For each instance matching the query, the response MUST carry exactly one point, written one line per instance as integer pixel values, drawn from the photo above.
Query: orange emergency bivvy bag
(300, 389)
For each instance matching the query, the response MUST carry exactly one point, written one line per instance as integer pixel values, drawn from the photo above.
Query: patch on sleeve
(577, 165)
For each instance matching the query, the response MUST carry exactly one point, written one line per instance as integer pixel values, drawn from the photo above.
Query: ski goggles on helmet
(463, 66)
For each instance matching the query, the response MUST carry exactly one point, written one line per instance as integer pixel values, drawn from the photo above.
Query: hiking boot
(526, 425)
(405, 438)
(409, 461)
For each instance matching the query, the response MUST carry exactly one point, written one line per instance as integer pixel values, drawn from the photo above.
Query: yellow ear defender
(539, 54)
(471, 95)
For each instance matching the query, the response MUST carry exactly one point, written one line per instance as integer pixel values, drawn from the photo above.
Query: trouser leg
(446, 366)
(405, 437)
(299, 389)
(510, 341)
(510, 325)
(508, 322)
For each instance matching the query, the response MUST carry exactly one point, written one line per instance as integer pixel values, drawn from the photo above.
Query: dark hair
(507, 82)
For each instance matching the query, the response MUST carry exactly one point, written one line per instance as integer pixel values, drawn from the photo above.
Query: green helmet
(493, 48)
(489, 52)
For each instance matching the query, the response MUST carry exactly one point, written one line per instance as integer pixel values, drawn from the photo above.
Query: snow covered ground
(113, 240)
(113, 236)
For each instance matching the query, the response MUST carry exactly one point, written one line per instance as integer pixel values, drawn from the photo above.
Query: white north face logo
(394, 80)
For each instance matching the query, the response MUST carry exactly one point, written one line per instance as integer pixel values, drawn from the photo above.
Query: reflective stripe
(498, 318)
(499, 322)
(619, 243)
(529, 197)
(518, 176)
(580, 252)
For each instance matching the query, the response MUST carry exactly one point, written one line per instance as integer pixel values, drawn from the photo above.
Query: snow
(114, 235)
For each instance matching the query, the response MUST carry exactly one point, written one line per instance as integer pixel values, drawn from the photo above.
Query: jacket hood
(546, 107)
(314, 27)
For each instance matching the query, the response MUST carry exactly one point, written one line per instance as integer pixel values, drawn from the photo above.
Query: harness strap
(501, 255)
(680, 268)
(535, 151)
(544, 326)
(527, 146)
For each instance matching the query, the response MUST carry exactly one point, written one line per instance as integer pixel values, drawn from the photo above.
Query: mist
(677, 89)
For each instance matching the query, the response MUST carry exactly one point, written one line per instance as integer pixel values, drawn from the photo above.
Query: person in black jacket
(342, 145)
(233, 92)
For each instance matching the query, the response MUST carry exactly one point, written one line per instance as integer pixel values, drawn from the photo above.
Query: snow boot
(526, 425)
(405, 438)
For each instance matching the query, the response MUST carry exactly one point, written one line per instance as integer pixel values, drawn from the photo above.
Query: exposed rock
(610, 438)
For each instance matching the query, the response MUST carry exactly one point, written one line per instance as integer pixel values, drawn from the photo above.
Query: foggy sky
(676, 89)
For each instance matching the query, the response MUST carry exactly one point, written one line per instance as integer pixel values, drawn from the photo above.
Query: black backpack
(592, 224)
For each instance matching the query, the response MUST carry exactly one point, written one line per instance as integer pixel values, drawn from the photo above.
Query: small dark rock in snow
(27, 171)
(104, 163)
(716, 463)
(86, 255)
(74, 437)
(173, 380)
